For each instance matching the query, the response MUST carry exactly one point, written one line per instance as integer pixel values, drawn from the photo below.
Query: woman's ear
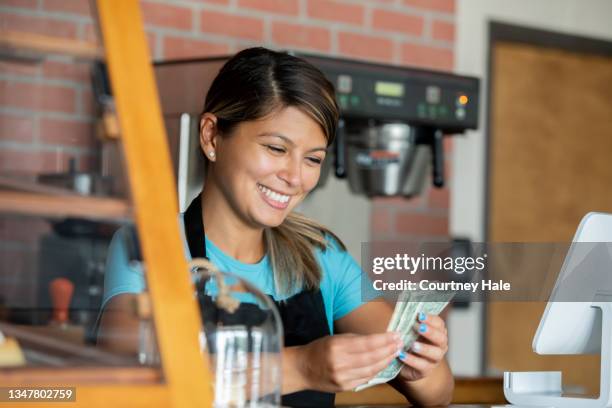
(208, 135)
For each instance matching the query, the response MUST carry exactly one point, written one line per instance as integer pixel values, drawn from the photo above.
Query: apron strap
(194, 228)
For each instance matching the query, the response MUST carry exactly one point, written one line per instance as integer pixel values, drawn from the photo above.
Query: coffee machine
(389, 137)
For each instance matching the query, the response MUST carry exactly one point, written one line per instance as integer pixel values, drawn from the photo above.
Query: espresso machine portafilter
(386, 159)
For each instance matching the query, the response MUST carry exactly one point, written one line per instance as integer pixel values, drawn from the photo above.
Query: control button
(354, 100)
(343, 101)
(421, 110)
(432, 94)
(345, 84)
(443, 110)
(460, 113)
(392, 102)
(432, 111)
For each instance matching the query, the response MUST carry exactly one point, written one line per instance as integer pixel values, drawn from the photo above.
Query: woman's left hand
(427, 351)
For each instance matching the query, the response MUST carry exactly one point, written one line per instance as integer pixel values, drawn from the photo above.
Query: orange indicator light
(463, 100)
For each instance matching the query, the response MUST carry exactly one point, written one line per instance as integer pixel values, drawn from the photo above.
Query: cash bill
(397, 312)
(403, 320)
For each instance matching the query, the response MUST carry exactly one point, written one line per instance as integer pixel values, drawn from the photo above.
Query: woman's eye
(315, 160)
(276, 149)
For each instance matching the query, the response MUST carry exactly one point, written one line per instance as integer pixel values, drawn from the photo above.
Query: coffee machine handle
(437, 148)
(339, 152)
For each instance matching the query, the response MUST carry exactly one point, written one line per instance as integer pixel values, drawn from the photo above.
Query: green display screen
(393, 89)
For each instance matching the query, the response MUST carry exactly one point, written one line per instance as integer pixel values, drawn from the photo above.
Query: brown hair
(251, 85)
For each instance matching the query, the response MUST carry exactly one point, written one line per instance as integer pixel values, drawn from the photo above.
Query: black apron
(303, 315)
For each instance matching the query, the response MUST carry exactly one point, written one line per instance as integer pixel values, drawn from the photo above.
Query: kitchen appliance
(393, 121)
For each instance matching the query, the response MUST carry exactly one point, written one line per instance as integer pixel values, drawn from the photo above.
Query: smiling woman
(268, 118)
(267, 122)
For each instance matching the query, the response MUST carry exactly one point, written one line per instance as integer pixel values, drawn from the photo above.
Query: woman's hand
(427, 351)
(342, 362)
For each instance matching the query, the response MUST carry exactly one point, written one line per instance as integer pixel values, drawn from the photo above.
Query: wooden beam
(153, 189)
(30, 45)
(69, 205)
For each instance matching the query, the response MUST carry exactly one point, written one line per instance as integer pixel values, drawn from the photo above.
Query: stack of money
(408, 306)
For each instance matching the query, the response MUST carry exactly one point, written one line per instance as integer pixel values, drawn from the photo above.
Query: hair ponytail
(291, 247)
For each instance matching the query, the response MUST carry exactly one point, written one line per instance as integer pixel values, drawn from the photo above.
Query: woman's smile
(274, 198)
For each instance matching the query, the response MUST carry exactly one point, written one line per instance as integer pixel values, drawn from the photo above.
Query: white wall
(344, 213)
(591, 18)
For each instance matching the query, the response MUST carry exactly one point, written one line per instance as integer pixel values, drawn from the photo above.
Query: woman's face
(266, 167)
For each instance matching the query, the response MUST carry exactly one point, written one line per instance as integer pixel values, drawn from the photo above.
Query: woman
(267, 122)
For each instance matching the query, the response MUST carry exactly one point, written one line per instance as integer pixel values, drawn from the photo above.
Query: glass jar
(242, 333)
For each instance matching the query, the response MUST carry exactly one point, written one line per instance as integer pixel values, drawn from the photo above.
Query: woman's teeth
(281, 198)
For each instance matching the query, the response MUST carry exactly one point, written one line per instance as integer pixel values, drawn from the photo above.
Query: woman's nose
(292, 172)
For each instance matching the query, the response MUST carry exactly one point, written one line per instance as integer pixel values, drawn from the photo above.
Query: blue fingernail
(422, 316)
(422, 328)
(402, 355)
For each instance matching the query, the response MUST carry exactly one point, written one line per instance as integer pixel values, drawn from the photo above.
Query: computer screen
(570, 325)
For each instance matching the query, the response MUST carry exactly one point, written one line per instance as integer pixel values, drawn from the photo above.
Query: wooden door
(550, 162)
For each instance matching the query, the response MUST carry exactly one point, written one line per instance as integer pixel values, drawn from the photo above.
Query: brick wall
(46, 110)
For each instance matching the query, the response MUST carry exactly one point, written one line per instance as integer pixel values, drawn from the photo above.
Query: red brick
(16, 128)
(447, 143)
(70, 71)
(231, 25)
(296, 35)
(66, 132)
(336, 11)
(177, 47)
(38, 25)
(421, 224)
(68, 6)
(288, 7)
(17, 68)
(439, 197)
(365, 46)
(446, 6)
(402, 203)
(22, 229)
(219, 2)
(88, 104)
(29, 4)
(442, 30)
(400, 22)
(428, 57)
(91, 34)
(380, 220)
(86, 162)
(164, 15)
(33, 96)
(16, 161)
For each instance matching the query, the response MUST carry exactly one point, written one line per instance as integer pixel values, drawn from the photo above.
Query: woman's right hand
(344, 361)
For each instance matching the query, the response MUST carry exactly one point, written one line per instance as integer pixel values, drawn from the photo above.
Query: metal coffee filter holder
(386, 159)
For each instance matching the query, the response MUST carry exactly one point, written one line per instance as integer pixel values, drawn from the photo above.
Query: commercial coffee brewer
(389, 138)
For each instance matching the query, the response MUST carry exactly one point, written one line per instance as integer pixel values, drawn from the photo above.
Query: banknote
(403, 321)
(399, 308)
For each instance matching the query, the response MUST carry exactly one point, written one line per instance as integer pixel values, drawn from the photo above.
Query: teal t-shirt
(340, 284)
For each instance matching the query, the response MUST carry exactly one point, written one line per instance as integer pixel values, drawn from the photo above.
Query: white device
(577, 320)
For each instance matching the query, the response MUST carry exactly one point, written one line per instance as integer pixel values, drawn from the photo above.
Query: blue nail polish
(422, 328)
(422, 316)
(402, 355)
